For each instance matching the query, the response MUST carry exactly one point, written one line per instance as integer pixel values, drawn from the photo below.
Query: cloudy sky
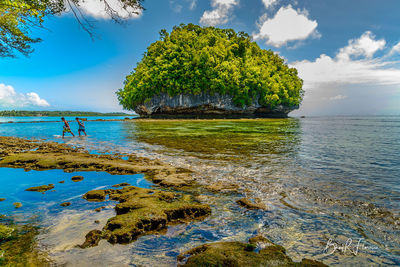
(347, 52)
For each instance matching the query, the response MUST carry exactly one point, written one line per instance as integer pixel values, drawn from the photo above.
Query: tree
(19, 17)
(193, 59)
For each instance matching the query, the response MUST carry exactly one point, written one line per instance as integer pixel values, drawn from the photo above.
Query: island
(199, 71)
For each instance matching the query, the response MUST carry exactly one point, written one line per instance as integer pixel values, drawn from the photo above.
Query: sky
(347, 52)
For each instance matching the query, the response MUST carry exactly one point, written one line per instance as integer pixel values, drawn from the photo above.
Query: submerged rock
(223, 187)
(42, 188)
(17, 205)
(61, 182)
(145, 211)
(121, 185)
(206, 105)
(2, 199)
(247, 203)
(65, 204)
(240, 254)
(77, 178)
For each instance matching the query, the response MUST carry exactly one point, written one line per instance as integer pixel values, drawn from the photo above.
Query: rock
(223, 187)
(121, 185)
(144, 211)
(65, 204)
(42, 188)
(206, 105)
(95, 195)
(247, 203)
(5, 232)
(239, 254)
(77, 178)
(17, 205)
(61, 182)
(92, 239)
(2, 199)
(99, 209)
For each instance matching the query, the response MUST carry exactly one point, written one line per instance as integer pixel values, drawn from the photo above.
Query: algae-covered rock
(42, 188)
(145, 211)
(2, 199)
(92, 239)
(247, 203)
(95, 195)
(19, 250)
(65, 204)
(240, 254)
(223, 187)
(121, 185)
(5, 232)
(77, 178)
(17, 205)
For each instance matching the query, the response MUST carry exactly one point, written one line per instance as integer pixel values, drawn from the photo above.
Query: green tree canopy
(19, 17)
(194, 59)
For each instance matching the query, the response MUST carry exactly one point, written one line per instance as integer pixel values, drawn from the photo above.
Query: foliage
(28, 113)
(19, 17)
(194, 59)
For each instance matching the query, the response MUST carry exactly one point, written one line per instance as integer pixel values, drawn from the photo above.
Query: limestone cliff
(206, 106)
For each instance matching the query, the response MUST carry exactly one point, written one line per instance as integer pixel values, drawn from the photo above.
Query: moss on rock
(145, 211)
(2, 199)
(95, 195)
(247, 203)
(240, 254)
(77, 178)
(42, 188)
(17, 205)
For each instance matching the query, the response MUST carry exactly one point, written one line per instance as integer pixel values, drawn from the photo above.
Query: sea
(331, 186)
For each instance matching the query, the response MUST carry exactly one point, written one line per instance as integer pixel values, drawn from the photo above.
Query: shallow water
(332, 178)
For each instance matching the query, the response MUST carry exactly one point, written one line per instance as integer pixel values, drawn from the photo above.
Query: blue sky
(347, 52)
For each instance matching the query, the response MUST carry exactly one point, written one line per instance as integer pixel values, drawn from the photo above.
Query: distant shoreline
(67, 113)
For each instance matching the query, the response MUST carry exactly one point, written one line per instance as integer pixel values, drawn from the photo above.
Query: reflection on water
(321, 178)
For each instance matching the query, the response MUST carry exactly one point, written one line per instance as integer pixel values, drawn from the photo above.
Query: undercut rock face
(145, 211)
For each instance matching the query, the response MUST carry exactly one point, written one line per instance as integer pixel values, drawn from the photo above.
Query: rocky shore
(139, 211)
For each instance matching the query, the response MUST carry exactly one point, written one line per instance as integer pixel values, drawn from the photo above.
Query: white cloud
(220, 14)
(286, 26)
(269, 3)
(193, 4)
(365, 46)
(11, 99)
(395, 49)
(338, 97)
(343, 69)
(97, 9)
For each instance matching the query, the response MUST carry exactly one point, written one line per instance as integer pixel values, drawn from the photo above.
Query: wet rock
(145, 211)
(240, 254)
(61, 182)
(65, 204)
(247, 203)
(77, 178)
(5, 232)
(99, 209)
(92, 239)
(97, 221)
(17, 205)
(121, 185)
(95, 195)
(223, 187)
(42, 188)
(2, 199)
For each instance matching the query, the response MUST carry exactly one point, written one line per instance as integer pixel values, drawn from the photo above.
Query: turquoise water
(53, 119)
(322, 178)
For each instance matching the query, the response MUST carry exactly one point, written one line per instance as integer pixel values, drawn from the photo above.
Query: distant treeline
(27, 113)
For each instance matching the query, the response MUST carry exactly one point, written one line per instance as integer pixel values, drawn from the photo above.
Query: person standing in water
(81, 126)
(66, 128)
